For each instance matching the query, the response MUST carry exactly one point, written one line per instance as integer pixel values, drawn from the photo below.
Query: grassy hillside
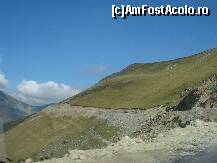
(151, 84)
(42, 136)
(9, 125)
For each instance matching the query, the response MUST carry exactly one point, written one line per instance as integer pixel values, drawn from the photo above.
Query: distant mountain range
(41, 107)
(12, 109)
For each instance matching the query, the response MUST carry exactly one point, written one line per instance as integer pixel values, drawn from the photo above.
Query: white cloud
(100, 69)
(36, 93)
(3, 81)
(96, 70)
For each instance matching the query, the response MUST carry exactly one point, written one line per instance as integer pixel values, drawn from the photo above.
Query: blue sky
(77, 42)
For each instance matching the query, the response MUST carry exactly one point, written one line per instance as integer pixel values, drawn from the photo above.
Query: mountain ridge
(12, 109)
(58, 129)
(63, 127)
(126, 88)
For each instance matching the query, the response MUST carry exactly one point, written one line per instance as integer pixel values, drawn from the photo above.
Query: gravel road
(209, 156)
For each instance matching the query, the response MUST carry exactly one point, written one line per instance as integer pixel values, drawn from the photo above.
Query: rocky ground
(176, 126)
(160, 134)
(166, 147)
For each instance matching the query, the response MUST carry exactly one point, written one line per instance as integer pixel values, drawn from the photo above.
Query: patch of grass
(45, 132)
(149, 85)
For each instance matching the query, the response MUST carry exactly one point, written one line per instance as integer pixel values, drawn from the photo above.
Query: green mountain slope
(53, 132)
(149, 85)
(11, 109)
(42, 136)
